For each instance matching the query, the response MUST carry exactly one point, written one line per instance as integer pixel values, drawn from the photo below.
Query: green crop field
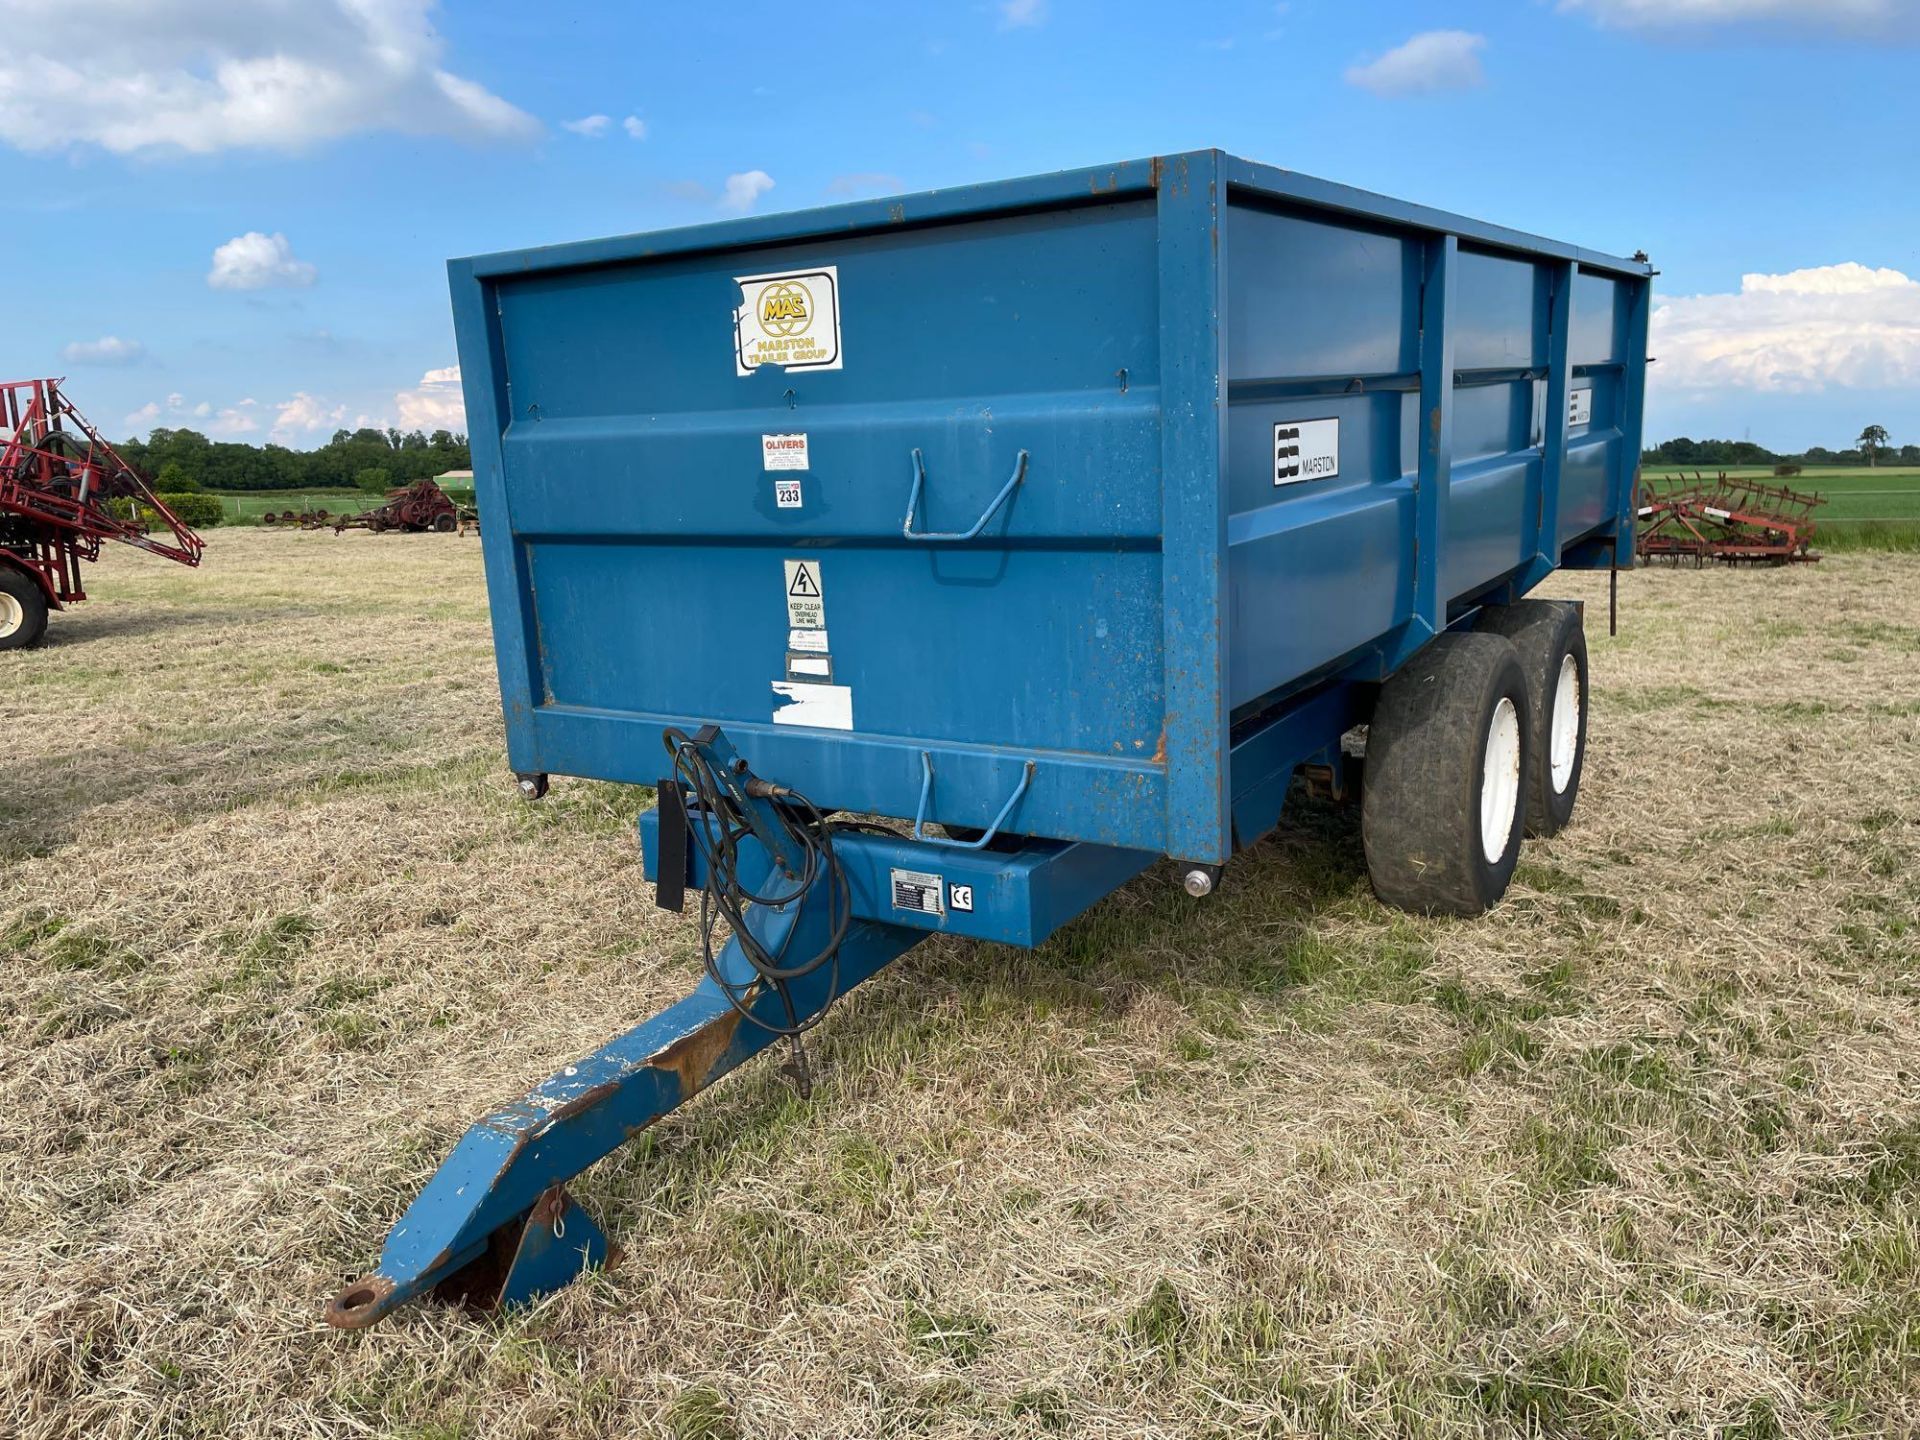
(246, 507)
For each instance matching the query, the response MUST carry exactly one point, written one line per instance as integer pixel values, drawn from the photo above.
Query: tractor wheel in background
(1443, 797)
(1552, 645)
(23, 610)
(445, 524)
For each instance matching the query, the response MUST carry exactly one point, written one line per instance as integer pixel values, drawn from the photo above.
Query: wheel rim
(1564, 743)
(1500, 781)
(12, 615)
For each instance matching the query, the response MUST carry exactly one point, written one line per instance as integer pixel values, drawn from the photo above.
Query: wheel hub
(1564, 742)
(1500, 781)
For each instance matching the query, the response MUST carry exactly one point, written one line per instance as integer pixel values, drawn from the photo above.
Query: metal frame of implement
(495, 1226)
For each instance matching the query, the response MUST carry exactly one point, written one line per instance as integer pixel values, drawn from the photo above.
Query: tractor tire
(1443, 794)
(1552, 644)
(445, 524)
(23, 610)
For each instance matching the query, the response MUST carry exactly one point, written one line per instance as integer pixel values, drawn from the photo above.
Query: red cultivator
(1728, 519)
(63, 490)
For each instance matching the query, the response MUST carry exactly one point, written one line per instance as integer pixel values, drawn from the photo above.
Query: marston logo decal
(786, 308)
(789, 320)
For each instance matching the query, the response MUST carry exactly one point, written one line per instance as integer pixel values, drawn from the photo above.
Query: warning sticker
(814, 641)
(790, 320)
(784, 452)
(824, 707)
(1580, 408)
(786, 494)
(806, 606)
(1305, 450)
(919, 892)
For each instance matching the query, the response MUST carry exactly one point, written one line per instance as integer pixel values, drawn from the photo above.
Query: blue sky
(234, 215)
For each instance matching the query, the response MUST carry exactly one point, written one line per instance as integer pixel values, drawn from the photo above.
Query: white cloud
(176, 412)
(434, 404)
(1843, 326)
(303, 415)
(743, 191)
(591, 126)
(1022, 14)
(635, 127)
(107, 350)
(1428, 63)
(254, 261)
(1865, 17)
(208, 75)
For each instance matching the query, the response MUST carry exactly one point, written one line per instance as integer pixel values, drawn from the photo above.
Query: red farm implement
(1729, 519)
(63, 490)
(420, 506)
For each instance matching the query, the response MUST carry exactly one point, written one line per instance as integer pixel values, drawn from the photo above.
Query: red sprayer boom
(59, 481)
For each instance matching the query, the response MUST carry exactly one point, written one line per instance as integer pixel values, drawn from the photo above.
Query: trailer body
(1065, 519)
(1272, 435)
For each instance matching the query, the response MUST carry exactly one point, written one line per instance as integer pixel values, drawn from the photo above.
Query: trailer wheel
(445, 524)
(1552, 645)
(1443, 797)
(23, 610)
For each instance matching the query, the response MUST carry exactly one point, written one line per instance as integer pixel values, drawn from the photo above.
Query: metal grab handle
(926, 792)
(919, 484)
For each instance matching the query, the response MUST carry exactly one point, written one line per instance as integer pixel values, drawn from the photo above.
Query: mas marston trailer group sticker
(789, 319)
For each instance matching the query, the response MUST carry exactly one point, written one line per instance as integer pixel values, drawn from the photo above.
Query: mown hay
(1638, 1154)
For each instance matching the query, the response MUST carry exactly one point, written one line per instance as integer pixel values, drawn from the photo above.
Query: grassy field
(246, 507)
(1639, 1154)
(1865, 508)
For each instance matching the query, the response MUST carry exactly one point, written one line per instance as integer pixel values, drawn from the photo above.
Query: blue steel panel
(1033, 649)
(1584, 489)
(483, 379)
(1501, 316)
(1599, 320)
(1489, 529)
(1006, 305)
(1144, 579)
(1306, 297)
(1193, 370)
(1313, 580)
(1553, 450)
(1431, 491)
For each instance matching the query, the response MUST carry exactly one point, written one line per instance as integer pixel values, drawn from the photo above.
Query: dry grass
(1640, 1154)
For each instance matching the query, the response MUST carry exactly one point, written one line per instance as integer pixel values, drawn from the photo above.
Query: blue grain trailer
(1062, 523)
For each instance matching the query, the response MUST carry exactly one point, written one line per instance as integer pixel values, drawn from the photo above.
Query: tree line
(186, 460)
(1874, 447)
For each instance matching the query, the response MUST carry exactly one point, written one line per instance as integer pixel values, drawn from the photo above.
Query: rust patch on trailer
(692, 1057)
(1159, 756)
